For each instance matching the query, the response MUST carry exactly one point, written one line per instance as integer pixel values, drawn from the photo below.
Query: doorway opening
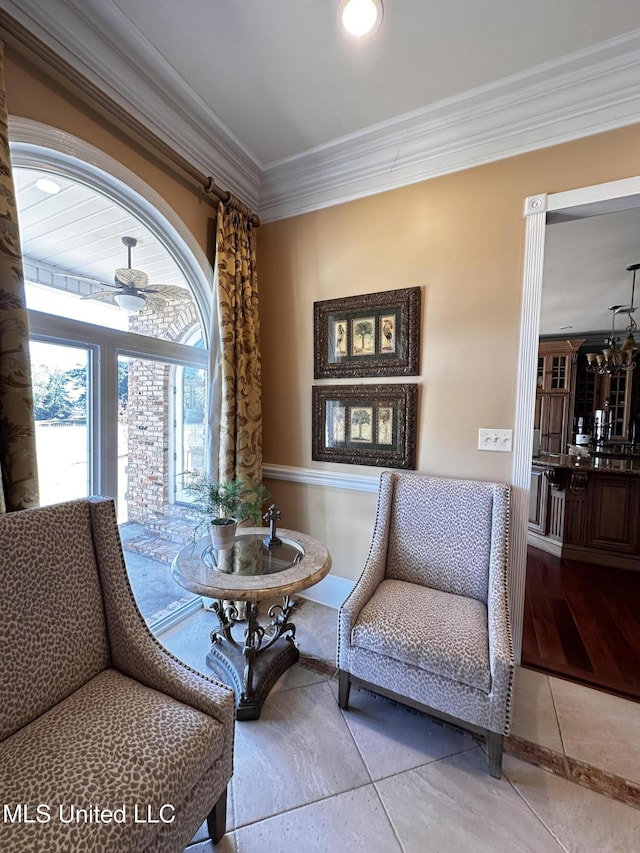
(581, 597)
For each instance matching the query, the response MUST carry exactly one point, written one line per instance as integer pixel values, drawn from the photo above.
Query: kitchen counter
(586, 508)
(608, 464)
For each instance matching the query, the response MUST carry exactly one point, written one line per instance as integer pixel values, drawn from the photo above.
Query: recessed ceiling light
(46, 185)
(360, 18)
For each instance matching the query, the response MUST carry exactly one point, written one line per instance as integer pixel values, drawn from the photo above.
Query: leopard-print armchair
(428, 621)
(107, 741)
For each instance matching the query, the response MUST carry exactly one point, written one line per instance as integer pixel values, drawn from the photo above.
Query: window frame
(39, 146)
(106, 345)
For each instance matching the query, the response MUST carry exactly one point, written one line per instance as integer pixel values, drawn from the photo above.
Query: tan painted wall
(461, 237)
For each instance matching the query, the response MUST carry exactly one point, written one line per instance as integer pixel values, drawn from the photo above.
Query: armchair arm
(501, 656)
(134, 649)
(372, 574)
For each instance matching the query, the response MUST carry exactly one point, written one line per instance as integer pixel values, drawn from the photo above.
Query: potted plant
(221, 505)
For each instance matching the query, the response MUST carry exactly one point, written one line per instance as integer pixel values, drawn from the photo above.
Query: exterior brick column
(148, 411)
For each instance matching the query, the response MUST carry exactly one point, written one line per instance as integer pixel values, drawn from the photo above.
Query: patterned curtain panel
(240, 451)
(17, 427)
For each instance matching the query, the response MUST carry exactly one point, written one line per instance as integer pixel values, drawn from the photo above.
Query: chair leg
(344, 688)
(495, 743)
(217, 818)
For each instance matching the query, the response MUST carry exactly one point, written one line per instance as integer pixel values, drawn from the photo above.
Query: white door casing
(599, 198)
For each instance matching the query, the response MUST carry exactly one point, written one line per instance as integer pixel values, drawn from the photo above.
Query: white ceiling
(283, 78)
(585, 273)
(78, 232)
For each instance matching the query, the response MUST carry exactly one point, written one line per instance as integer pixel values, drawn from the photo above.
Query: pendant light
(615, 360)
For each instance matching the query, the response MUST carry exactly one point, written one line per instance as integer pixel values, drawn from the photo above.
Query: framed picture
(365, 424)
(377, 334)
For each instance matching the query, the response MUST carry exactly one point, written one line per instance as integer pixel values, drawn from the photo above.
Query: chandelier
(616, 360)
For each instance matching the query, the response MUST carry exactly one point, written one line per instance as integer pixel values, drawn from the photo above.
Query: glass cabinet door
(559, 372)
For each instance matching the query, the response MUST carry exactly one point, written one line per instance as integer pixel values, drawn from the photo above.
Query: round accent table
(254, 570)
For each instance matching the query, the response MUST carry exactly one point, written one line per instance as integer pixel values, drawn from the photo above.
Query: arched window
(119, 299)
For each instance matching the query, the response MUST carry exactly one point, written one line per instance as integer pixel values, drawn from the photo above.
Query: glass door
(189, 420)
(151, 429)
(62, 410)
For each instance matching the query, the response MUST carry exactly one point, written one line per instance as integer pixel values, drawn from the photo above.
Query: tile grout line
(322, 798)
(555, 711)
(342, 712)
(388, 816)
(277, 815)
(535, 813)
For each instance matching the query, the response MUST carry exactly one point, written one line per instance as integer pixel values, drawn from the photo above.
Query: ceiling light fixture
(614, 360)
(46, 185)
(360, 18)
(129, 301)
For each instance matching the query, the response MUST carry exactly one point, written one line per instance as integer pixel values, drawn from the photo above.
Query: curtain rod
(20, 37)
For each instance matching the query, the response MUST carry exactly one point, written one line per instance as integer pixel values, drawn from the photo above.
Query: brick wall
(148, 411)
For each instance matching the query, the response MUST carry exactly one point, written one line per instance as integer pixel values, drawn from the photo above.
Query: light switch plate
(495, 439)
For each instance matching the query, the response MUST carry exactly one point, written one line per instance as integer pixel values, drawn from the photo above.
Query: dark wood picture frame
(365, 424)
(376, 334)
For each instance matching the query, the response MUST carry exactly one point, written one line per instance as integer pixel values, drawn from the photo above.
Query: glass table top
(251, 571)
(250, 556)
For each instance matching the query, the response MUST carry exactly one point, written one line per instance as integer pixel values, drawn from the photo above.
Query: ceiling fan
(130, 287)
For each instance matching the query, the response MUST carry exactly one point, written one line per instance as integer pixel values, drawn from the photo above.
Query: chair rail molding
(599, 198)
(319, 477)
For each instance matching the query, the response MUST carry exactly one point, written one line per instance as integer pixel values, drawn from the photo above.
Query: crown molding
(98, 41)
(587, 92)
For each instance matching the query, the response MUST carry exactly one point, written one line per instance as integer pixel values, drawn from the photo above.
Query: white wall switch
(495, 439)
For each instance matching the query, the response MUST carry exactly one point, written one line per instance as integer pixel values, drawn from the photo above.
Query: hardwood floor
(582, 622)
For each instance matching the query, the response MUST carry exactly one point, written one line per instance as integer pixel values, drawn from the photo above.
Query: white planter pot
(223, 535)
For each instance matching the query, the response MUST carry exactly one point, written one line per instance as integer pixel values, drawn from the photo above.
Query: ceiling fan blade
(155, 300)
(124, 276)
(103, 296)
(168, 292)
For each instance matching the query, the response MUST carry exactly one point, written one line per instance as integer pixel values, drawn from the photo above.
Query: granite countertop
(608, 464)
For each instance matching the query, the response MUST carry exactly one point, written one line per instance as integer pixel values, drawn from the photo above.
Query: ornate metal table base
(246, 655)
(253, 666)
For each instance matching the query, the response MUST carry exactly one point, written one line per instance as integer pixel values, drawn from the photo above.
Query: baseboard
(332, 590)
(612, 561)
(544, 543)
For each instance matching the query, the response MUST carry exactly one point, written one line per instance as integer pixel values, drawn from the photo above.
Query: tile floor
(309, 777)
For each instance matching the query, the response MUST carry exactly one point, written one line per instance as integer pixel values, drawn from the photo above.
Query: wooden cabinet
(538, 501)
(555, 393)
(584, 513)
(546, 503)
(614, 391)
(620, 395)
(554, 422)
(613, 508)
